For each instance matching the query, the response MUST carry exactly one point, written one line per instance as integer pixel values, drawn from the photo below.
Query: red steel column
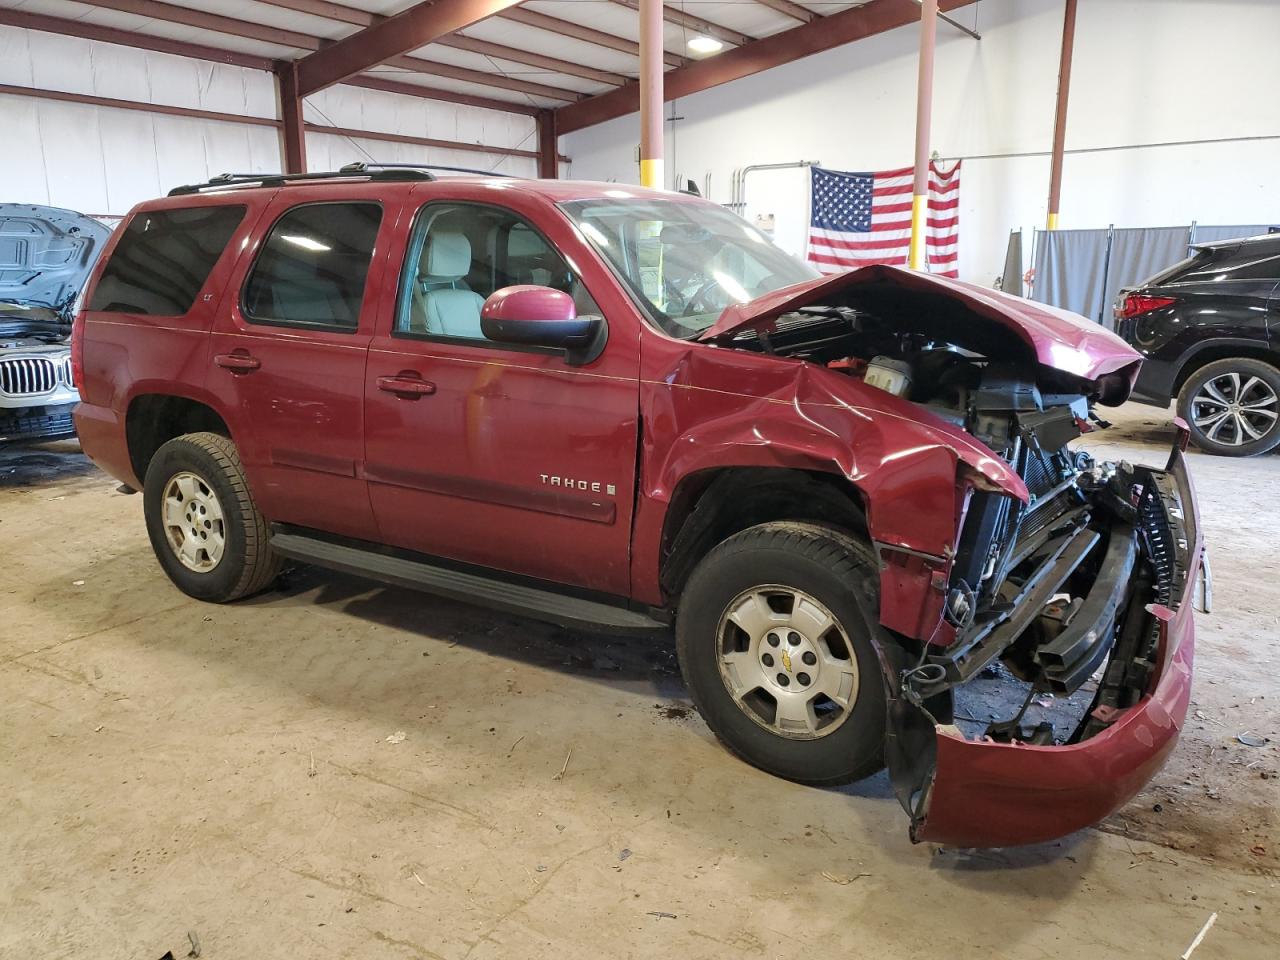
(548, 146)
(651, 63)
(924, 111)
(293, 136)
(1060, 114)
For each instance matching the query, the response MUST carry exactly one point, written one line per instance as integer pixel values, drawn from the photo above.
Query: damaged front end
(1047, 679)
(1089, 603)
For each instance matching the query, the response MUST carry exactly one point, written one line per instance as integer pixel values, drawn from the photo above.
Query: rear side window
(312, 268)
(163, 259)
(1216, 264)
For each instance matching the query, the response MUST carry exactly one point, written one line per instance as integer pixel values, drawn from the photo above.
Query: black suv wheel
(777, 653)
(204, 527)
(1233, 407)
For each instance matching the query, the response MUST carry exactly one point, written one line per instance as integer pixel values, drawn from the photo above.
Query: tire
(770, 562)
(199, 477)
(1220, 424)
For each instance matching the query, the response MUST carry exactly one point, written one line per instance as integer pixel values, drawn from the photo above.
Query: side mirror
(540, 317)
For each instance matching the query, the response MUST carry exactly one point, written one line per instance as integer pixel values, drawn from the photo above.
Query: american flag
(862, 218)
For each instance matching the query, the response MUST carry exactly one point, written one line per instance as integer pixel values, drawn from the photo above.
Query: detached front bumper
(982, 793)
(42, 422)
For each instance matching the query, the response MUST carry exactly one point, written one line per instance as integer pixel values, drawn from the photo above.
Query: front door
(288, 362)
(490, 454)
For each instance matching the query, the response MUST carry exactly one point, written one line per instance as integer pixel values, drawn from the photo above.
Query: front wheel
(1233, 407)
(205, 529)
(778, 656)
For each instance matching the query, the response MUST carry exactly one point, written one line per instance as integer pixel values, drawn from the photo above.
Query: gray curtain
(1011, 278)
(1084, 270)
(1209, 234)
(1070, 270)
(1136, 254)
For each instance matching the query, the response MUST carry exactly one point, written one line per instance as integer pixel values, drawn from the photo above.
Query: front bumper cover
(983, 793)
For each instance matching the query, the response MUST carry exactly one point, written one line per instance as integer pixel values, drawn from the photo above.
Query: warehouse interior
(347, 760)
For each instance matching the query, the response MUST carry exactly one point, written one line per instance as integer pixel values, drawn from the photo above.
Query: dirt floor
(335, 770)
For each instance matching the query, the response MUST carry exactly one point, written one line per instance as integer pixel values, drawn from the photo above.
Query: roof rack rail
(361, 166)
(225, 181)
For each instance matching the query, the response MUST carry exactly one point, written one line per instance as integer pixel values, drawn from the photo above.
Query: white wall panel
(104, 160)
(1146, 72)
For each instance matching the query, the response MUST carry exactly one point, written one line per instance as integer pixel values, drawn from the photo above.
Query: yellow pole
(924, 106)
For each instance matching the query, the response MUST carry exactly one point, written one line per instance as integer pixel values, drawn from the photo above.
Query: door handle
(239, 362)
(407, 386)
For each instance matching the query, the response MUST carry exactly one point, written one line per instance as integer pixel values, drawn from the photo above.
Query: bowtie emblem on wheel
(786, 661)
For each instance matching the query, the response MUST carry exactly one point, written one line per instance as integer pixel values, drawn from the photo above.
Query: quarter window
(313, 265)
(461, 253)
(163, 259)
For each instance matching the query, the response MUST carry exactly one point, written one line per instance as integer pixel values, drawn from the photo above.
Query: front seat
(446, 305)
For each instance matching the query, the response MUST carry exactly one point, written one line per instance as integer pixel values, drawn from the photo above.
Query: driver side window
(461, 253)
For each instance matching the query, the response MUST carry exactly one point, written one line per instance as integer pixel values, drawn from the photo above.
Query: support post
(293, 131)
(924, 110)
(1060, 114)
(548, 146)
(651, 61)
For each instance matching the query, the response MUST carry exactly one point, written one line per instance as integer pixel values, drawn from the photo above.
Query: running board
(547, 605)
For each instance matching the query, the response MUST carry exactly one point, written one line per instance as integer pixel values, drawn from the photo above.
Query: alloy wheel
(193, 522)
(1232, 410)
(787, 662)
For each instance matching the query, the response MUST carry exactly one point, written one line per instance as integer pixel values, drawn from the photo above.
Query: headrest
(448, 255)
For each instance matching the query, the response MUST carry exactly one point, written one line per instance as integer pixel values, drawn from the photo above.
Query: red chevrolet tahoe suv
(852, 495)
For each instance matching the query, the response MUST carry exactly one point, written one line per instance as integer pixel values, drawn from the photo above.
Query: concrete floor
(169, 766)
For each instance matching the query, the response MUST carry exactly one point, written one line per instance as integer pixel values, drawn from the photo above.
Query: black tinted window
(313, 265)
(1216, 264)
(163, 259)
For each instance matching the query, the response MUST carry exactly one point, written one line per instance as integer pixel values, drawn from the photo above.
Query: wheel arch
(154, 418)
(1211, 351)
(711, 505)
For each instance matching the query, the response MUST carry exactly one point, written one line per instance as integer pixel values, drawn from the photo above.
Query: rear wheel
(204, 527)
(1233, 407)
(778, 655)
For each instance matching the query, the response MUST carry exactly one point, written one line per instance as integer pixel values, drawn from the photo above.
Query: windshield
(685, 261)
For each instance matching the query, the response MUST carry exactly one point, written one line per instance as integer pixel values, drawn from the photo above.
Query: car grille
(31, 376)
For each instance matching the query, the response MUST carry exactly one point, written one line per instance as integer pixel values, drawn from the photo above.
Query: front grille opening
(27, 376)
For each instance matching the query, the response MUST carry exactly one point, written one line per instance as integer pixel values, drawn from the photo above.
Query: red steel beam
(328, 10)
(165, 109)
(183, 16)
(386, 85)
(548, 146)
(293, 135)
(160, 108)
(789, 9)
(216, 23)
(198, 51)
(127, 38)
(825, 33)
(531, 18)
(420, 141)
(698, 24)
(415, 27)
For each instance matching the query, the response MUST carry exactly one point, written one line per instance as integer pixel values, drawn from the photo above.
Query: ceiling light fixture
(705, 45)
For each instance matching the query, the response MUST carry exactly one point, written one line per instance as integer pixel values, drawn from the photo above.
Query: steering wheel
(698, 303)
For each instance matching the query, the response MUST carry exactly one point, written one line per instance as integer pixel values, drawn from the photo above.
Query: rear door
(288, 355)
(488, 453)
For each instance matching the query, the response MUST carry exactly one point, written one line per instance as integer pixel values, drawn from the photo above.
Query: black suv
(1206, 327)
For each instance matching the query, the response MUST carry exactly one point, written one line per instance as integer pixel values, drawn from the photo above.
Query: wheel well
(713, 505)
(1224, 352)
(155, 419)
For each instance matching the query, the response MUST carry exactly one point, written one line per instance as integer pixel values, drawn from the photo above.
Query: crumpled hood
(1062, 340)
(46, 255)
